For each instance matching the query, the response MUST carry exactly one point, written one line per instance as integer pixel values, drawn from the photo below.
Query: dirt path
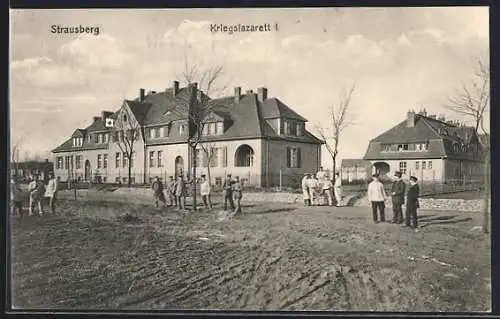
(275, 257)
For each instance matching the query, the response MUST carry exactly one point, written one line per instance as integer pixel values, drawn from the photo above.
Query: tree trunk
(193, 177)
(209, 175)
(334, 165)
(130, 171)
(486, 195)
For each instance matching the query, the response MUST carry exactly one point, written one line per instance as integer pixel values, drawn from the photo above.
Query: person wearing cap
(376, 195)
(237, 194)
(36, 190)
(180, 192)
(305, 189)
(412, 204)
(16, 198)
(205, 191)
(158, 195)
(312, 185)
(51, 192)
(398, 198)
(170, 188)
(327, 189)
(227, 192)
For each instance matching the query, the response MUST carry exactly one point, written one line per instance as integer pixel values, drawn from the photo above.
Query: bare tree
(127, 131)
(209, 152)
(203, 79)
(339, 121)
(15, 149)
(472, 101)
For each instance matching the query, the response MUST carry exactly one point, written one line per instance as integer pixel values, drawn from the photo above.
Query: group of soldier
(38, 192)
(177, 190)
(377, 197)
(315, 186)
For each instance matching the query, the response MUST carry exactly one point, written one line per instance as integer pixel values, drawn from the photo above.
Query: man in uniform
(398, 198)
(158, 195)
(227, 191)
(412, 204)
(237, 194)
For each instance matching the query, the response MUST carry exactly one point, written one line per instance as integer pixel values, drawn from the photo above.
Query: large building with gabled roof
(428, 147)
(250, 135)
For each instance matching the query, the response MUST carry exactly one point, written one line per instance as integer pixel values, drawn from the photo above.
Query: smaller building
(25, 170)
(354, 170)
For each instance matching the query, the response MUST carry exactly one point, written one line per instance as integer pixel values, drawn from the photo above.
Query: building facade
(355, 170)
(26, 170)
(430, 148)
(259, 139)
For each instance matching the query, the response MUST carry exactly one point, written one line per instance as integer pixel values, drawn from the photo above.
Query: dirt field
(274, 257)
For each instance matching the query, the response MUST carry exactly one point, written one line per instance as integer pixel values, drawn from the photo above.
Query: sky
(398, 58)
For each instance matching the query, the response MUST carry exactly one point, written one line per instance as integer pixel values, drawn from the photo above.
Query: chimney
(410, 119)
(249, 92)
(176, 88)
(142, 94)
(237, 94)
(106, 114)
(96, 118)
(262, 94)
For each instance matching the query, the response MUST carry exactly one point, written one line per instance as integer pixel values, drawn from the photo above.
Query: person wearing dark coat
(412, 204)
(227, 191)
(398, 198)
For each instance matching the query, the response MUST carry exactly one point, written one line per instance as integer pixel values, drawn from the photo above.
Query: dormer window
(152, 133)
(220, 128)
(89, 138)
(299, 129)
(77, 141)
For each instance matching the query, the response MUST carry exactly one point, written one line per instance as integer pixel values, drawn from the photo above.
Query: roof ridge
(424, 118)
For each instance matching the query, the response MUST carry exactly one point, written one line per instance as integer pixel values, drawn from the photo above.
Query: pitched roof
(68, 146)
(274, 108)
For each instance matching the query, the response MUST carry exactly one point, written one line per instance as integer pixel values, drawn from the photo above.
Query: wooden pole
(281, 178)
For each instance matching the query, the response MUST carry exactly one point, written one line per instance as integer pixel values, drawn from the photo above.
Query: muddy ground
(114, 254)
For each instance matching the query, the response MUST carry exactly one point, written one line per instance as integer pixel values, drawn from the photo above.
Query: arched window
(244, 156)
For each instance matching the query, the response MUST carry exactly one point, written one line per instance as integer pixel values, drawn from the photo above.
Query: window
(213, 129)
(124, 179)
(152, 133)
(403, 168)
(78, 161)
(162, 132)
(429, 165)
(117, 179)
(106, 138)
(182, 128)
(125, 159)
(89, 138)
(99, 160)
(286, 125)
(159, 157)
(152, 159)
(293, 157)
(66, 162)
(99, 138)
(298, 129)
(385, 148)
(423, 165)
(59, 163)
(223, 156)
(214, 157)
(117, 160)
(220, 128)
(204, 132)
(104, 179)
(105, 161)
(244, 156)
(417, 165)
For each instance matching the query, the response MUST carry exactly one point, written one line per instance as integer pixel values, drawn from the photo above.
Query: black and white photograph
(250, 159)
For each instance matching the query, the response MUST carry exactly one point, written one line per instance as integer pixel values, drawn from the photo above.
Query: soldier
(376, 195)
(205, 192)
(171, 191)
(158, 195)
(412, 204)
(36, 190)
(180, 193)
(227, 192)
(237, 194)
(398, 198)
(16, 197)
(305, 190)
(51, 192)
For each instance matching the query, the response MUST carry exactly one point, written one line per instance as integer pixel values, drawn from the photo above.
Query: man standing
(337, 188)
(171, 191)
(312, 185)
(327, 188)
(376, 195)
(205, 192)
(398, 198)
(16, 199)
(36, 190)
(227, 190)
(412, 204)
(305, 189)
(237, 194)
(51, 192)
(158, 192)
(180, 193)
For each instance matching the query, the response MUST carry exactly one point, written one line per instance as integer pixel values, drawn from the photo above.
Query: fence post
(281, 178)
(434, 181)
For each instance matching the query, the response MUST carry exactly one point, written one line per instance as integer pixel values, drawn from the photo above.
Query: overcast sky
(400, 58)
